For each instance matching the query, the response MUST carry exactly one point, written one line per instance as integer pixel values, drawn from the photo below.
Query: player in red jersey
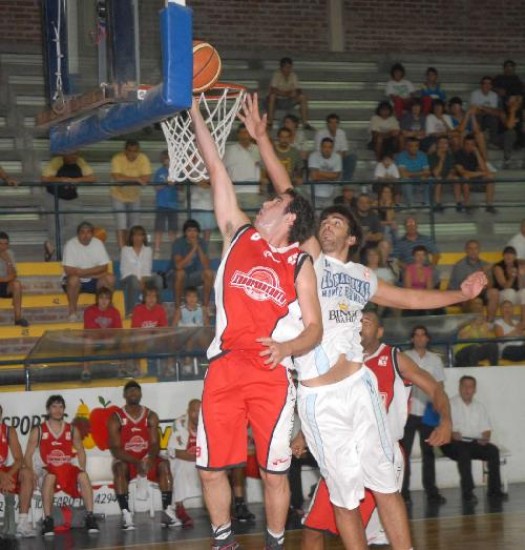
(134, 443)
(11, 460)
(60, 449)
(267, 311)
(394, 371)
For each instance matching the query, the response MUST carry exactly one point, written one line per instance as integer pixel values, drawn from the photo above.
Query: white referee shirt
(433, 364)
(470, 420)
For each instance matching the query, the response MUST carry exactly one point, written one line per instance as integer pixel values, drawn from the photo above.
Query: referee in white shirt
(471, 432)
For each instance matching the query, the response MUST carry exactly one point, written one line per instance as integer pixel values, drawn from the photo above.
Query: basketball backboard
(94, 74)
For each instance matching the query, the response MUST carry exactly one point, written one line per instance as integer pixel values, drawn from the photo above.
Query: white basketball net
(219, 109)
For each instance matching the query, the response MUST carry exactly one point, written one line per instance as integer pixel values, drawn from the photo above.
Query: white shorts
(346, 430)
(517, 297)
(186, 481)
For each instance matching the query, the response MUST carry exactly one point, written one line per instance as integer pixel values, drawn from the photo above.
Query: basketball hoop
(219, 106)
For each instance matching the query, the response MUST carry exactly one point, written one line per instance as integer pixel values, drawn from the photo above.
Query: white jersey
(344, 289)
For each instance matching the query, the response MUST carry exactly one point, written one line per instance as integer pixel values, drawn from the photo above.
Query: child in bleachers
(101, 315)
(150, 313)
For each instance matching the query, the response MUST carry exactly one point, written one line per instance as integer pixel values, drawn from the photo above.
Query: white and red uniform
(134, 438)
(4, 453)
(255, 297)
(56, 453)
(395, 394)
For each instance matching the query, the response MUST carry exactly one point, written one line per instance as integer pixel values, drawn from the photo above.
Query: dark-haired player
(59, 447)
(134, 443)
(395, 373)
(267, 311)
(338, 402)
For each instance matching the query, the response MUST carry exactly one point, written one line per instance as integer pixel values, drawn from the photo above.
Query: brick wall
(471, 27)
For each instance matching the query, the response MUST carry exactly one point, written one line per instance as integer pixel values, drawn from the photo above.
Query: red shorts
(66, 478)
(239, 390)
(321, 516)
(14, 477)
(153, 473)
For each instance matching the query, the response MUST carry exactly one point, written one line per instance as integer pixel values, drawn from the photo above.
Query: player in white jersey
(393, 370)
(341, 414)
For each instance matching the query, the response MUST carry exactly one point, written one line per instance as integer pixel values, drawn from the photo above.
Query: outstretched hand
(251, 117)
(274, 353)
(473, 285)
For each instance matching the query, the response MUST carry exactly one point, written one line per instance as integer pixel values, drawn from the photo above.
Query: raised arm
(390, 296)
(256, 126)
(411, 372)
(229, 216)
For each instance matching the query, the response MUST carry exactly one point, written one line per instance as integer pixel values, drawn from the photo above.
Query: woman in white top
(438, 123)
(136, 262)
(506, 326)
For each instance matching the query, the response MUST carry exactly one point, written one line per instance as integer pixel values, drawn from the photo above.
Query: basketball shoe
(127, 521)
(186, 519)
(169, 518)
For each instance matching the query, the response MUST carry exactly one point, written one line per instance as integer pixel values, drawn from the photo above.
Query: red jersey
(56, 449)
(392, 388)
(255, 293)
(134, 432)
(97, 318)
(142, 317)
(4, 444)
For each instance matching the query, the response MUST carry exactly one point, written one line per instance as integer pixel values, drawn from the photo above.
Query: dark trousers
(414, 424)
(294, 477)
(470, 356)
(514, 353)
(464, 453)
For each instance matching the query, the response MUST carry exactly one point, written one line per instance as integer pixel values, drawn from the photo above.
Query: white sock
(222, 532)
(279, 537)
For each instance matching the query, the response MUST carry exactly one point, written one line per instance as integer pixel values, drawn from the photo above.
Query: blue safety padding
(166, 99)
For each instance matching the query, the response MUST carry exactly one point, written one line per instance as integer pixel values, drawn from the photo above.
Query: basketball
(100, 233)
(207, 66)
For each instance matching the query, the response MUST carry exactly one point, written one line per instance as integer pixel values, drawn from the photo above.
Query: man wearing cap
(133, 436)
(191, 263)
(86, 267)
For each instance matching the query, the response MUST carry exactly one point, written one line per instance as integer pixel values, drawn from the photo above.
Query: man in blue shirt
(413, 165)
(166, 203)
(191, 263)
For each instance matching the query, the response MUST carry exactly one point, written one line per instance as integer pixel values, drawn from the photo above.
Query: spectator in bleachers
(338, 135)
(383, 271)
(191, 263)
(469, 354)
(243, 164)
(10, 286)
(400, 90)
(190, 313)
(384, 131)
(412, 124)
(166, 203)
(403, 247)
(324, 166)
(150, 313)
(387, 173)
(368, 220)
(506, 274)
(431, 88)
(438, 124)
(413, 165)
(441, 163)
(472, 168)
(433, 364)
(202, 208)
(86, 267)
(488, 110)
(61, 174)
(298, 139)
(471, 434)
(387, 259)
(289, 156)
(182, 450)
(465, 267)
(7, 178)
(518, 242)
(347, 197)
(465, 123)
(129, 166)
(511, 125)
(285, 93)
(387, 212)
(508, 83)
(418, 274)
(136, 267)
(505, 326)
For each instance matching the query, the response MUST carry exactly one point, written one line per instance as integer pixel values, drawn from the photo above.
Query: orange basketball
(100, 233)
(207, 66)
